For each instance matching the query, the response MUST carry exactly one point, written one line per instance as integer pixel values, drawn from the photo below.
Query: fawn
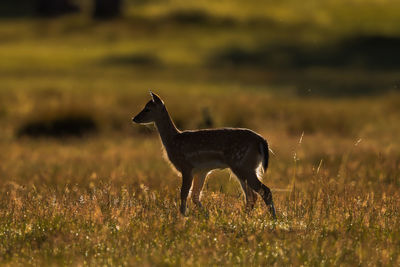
(198, 152)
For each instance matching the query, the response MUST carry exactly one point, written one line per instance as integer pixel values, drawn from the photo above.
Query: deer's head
(151, 111)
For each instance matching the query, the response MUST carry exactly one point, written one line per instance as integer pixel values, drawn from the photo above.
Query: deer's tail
(265, 154)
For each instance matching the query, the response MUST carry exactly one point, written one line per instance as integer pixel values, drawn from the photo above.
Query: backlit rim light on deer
(194, 153)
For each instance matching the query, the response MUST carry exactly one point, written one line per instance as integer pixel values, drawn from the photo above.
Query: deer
(195, 153)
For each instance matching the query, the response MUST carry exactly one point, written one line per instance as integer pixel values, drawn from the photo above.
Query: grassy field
(98, 191)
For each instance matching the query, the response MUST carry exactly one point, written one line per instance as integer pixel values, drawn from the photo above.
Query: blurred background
(70, 56)
(324, 69)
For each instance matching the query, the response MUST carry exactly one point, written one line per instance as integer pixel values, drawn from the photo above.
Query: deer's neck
(166, 128)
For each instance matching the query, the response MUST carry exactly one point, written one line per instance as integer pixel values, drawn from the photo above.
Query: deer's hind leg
(251, 196)
(249, 176)
(198, 183)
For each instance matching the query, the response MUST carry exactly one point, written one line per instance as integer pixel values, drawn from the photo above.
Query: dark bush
(368, 52)
(237, 57)
(59, 127)
(196, 17)
(372, 51)
(106, 9)
(191, 17)
(136, 59)
(50, 8)
(16, 8)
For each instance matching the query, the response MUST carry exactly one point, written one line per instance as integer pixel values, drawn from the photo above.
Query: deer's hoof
(183, 210)
(272, 211)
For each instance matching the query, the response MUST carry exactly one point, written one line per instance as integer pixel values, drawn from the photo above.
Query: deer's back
(213, 148)
(219, 139)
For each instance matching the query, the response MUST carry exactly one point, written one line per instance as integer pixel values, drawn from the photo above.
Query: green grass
(110, 198)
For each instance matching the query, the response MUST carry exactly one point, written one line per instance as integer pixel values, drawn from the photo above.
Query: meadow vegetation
(100, 192)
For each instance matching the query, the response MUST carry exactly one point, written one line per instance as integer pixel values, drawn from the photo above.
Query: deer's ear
(156, 98)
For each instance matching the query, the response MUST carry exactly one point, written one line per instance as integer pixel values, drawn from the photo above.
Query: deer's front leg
(186, 184)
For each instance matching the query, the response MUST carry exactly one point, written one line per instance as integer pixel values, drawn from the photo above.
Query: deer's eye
(146, 110)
